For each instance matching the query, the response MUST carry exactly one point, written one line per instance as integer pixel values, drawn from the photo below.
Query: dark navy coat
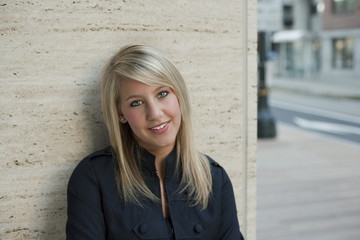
(95, 210)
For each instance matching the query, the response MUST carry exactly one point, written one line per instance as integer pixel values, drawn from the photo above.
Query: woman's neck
(160, 165)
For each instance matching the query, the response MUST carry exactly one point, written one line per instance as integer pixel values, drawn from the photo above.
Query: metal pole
(266, 122)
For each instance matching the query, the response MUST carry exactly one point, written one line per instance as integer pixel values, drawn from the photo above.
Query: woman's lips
(161, 128)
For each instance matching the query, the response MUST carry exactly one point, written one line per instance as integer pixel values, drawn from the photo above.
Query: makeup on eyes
(161, 94)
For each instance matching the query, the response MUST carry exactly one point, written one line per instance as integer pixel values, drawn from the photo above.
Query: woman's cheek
(133, 118)
(175, 104)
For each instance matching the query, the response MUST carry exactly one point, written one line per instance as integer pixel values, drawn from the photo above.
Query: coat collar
(146, 162)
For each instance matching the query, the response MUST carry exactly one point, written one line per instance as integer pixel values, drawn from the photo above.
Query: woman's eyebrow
(132, 96)
(139, 96)
(160, 87)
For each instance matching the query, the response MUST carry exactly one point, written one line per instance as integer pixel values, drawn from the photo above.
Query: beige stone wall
(51, 56)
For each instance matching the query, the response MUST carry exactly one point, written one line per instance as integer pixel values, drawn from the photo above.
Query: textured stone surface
(51, 56)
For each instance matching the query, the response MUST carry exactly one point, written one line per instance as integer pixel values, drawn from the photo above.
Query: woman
(151, 183)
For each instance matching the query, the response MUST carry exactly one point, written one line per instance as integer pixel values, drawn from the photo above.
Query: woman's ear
(122, 118)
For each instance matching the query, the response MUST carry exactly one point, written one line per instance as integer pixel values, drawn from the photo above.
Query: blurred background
(308, 119)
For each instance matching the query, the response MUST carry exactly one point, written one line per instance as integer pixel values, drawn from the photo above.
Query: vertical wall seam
(245, 117)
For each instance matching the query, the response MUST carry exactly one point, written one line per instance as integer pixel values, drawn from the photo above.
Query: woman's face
(153, 113)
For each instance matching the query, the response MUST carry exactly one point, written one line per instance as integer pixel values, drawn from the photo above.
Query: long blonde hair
(147, 65)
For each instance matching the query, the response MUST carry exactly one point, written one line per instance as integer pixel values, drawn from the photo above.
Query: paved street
(308, 180)
(331, 122)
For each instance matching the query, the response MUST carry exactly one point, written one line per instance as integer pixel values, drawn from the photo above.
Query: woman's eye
(163, 94)
(135, 103)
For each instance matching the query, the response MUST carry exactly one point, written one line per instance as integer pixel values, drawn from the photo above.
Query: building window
(343, 49)
(343, 6)
(288, 16)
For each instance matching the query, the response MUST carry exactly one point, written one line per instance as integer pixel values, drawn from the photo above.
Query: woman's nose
(154, 111)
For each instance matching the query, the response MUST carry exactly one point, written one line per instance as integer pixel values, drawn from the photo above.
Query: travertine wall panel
(52, 54)
(249, 112)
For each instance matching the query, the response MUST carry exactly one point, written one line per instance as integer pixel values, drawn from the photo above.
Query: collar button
(198, 228)
(143, 228)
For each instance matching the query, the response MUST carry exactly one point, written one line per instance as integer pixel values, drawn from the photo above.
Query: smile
(159, 127)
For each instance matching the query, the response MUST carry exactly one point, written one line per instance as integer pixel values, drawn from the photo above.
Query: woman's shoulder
(95, 164)
(92, 178)
(213, 163)
(98, 157)
(102, 153)
(218, 172)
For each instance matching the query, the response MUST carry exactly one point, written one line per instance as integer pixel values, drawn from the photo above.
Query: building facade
(320, 40)
(341, 39)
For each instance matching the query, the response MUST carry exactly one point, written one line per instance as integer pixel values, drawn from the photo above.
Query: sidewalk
(308, 187)
(349, 88)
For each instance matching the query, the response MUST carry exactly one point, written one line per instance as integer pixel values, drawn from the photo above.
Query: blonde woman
(151, 183)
